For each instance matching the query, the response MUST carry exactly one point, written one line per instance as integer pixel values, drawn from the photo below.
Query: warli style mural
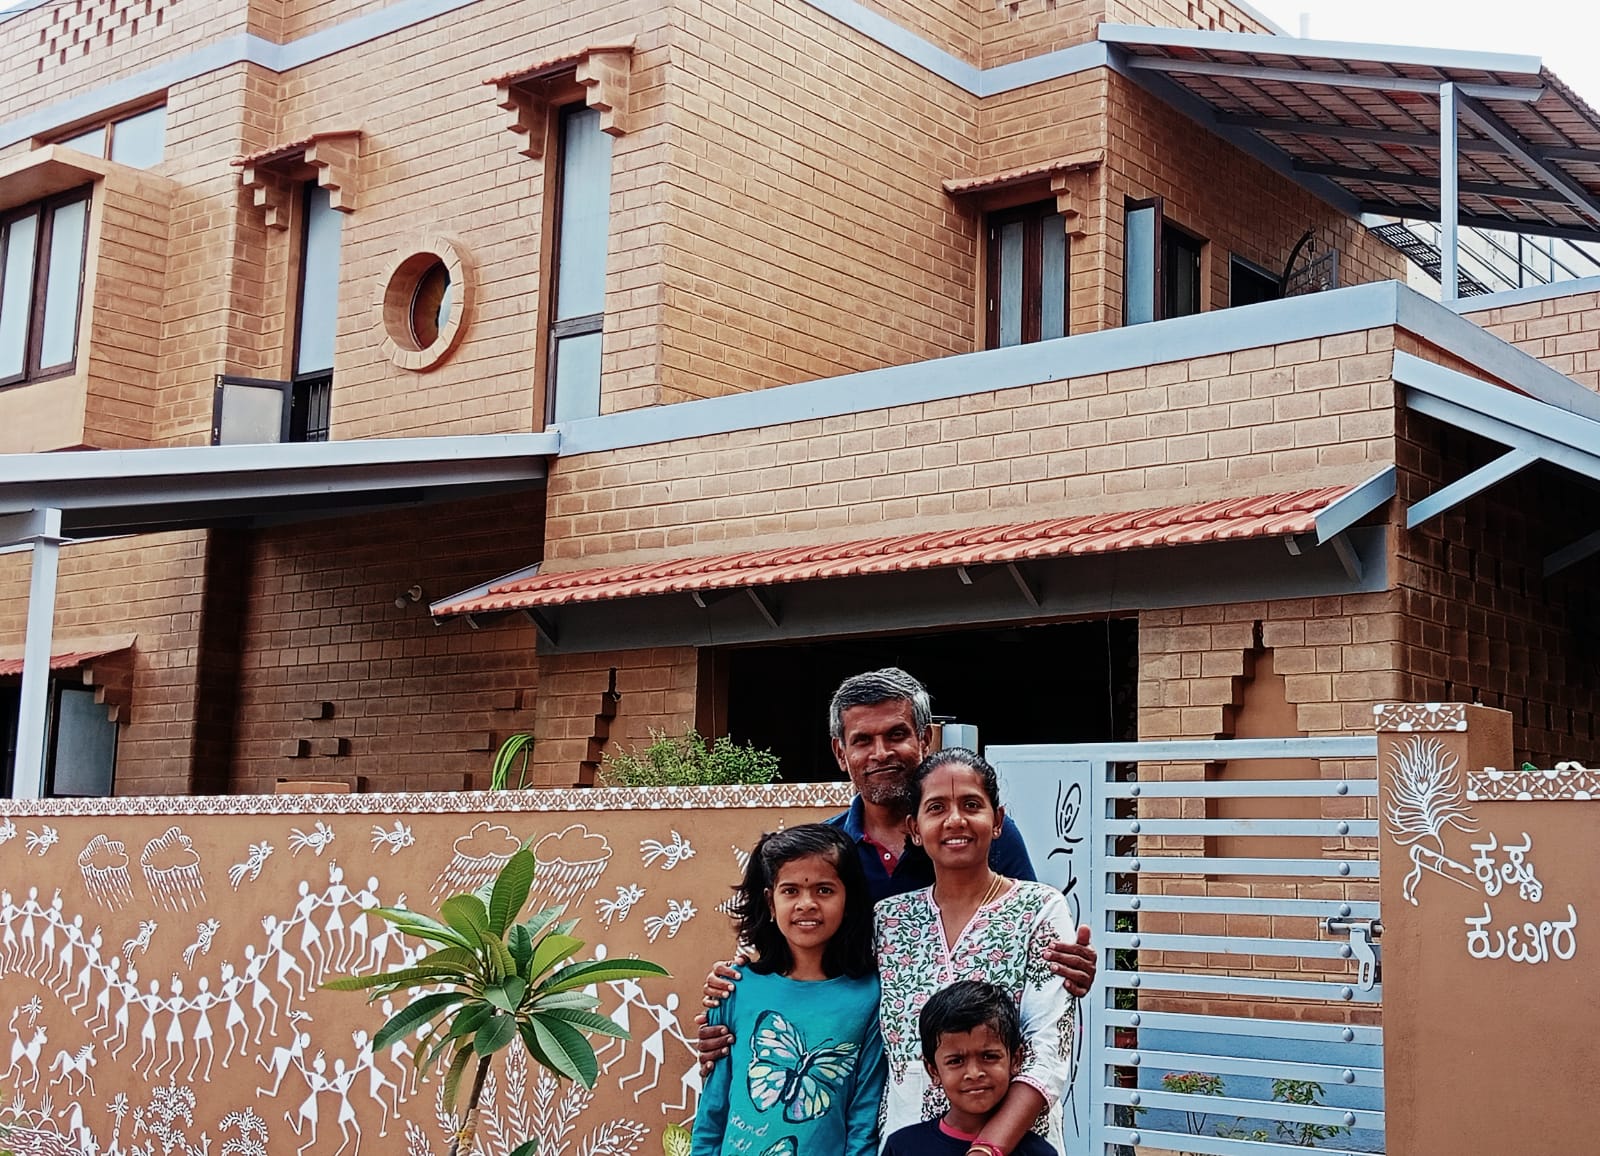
(160, 962)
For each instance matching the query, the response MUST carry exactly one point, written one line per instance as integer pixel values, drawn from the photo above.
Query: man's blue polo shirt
(1007, 855)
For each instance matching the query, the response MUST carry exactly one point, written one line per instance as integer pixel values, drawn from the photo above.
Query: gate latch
(1362, 932)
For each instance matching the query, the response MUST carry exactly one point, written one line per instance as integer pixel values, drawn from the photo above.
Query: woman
(971, 924)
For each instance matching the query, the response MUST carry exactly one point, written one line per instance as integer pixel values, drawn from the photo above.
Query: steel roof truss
(1369, 133)
(1296, 76)
(1487, 122)
(1418, 181)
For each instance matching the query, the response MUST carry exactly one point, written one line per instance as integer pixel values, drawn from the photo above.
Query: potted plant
(496, 981)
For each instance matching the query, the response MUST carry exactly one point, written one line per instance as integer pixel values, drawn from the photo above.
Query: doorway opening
(1051, 683)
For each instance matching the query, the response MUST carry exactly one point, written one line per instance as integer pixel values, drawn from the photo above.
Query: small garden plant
(1299, 1092)
(688, 760)
(495, 982)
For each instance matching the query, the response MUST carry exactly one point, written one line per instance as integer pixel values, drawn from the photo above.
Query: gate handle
(1361, 932)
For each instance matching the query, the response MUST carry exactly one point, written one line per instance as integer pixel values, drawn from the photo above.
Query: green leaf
(494, 1035)
(601, 971)
(552, 950)
(520, 944)
(418, 924)
(471, 1019)
(556, 1057)
(581, 1000)
(529, 1147)
(452, 1078)
(676, 1140)
(588, 1021)
(411, 1017)
(508, 994)
(540, 920)
(530, 1040)
(467, 915)
(430, 969)
(564, 927)
(568, 1047)
(511, 887)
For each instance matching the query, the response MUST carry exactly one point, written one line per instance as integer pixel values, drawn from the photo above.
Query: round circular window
(430, 305)
(423, 302)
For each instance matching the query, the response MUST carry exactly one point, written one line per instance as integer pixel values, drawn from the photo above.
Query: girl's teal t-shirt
(806, 1073)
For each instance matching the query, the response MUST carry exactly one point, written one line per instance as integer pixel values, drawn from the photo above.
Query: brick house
(672, 353)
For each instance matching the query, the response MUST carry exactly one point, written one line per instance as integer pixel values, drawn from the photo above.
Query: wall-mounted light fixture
(408, 596)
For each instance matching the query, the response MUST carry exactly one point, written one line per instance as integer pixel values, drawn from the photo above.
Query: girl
(971, 924)
(807, 1068)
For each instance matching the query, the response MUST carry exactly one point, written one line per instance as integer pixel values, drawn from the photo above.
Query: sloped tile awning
(60, 659)
(977, 556)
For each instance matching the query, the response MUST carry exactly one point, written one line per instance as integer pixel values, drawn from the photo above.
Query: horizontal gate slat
(1307, 1030)
(1226, 944)
(1207, 1145)
(1348, 868)
(1244, 789)
(1329, 1075)
(1302, 828)
(1226, 905)
(1242, 985)
(1249, 1109)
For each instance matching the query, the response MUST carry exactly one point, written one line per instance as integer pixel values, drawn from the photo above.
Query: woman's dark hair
(849, 952)
(966, 1005)
(953, 757)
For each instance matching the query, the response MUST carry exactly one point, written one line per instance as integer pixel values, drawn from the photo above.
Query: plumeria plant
(495, 981)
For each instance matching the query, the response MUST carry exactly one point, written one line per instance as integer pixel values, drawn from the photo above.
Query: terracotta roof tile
(556, 64)
(64, 660)
(963, 186)
(1270, 515)
(292, 148)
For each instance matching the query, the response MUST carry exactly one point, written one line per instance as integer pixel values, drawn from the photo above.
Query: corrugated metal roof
(1366, 118)
(1270, 515)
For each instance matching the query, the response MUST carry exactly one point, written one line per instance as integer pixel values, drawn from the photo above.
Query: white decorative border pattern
(1565, 782)
(450, 802)
(1421, 717)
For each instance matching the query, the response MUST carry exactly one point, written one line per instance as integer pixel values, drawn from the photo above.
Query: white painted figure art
(1426, 798)
(617, 909)
(679, 912)
(250, 869)
(396, 838)
(40, 841)
(668, 854)
(316, 840)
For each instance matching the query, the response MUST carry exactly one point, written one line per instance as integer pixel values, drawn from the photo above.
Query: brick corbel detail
(112, 678)
(272, 176)
(605, 74)
(1076, 191)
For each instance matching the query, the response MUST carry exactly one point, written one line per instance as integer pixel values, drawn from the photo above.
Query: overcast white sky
(1565, 34)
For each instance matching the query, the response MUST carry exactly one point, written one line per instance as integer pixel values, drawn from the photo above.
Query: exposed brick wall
(1220, 194)
(1210, 15)
(109, 400)
(414, 706)
(151, 587)
(1562, 332)
(1273, 419)
(656, 691)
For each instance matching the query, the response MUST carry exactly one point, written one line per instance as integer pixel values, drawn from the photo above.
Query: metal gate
(1239, 994)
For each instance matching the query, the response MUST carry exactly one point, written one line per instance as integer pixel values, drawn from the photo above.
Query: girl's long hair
(849, 952)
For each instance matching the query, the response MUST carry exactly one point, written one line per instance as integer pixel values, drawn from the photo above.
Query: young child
(972, 1047)
(807, 1069)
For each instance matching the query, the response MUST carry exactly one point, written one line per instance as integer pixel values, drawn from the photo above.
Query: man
(881, 725)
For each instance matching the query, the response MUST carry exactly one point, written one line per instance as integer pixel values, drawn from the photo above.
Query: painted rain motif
(569, 862)
(1427, 796)
(103, 863)
(171, 869)
(476, 858)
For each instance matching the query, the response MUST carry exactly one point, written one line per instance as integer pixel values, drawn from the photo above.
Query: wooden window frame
(33, 331)
(1032, 215)
(1159, 306)
(565, 100)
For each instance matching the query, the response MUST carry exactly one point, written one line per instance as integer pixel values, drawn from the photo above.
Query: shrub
(689, 761)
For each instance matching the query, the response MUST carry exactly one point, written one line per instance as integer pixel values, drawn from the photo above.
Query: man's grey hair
(890, 684)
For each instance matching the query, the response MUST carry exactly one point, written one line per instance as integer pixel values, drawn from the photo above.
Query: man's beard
(895, 792)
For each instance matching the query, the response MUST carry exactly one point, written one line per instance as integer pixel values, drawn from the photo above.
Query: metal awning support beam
(1340, 515)
(43, 529)
(1358, 132)
(1497, 130)
(1449, 196)
(1418, 181)
(1585, 547)
(1310, 76)
(543, 623)
(764, 604)
(1458, 491)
